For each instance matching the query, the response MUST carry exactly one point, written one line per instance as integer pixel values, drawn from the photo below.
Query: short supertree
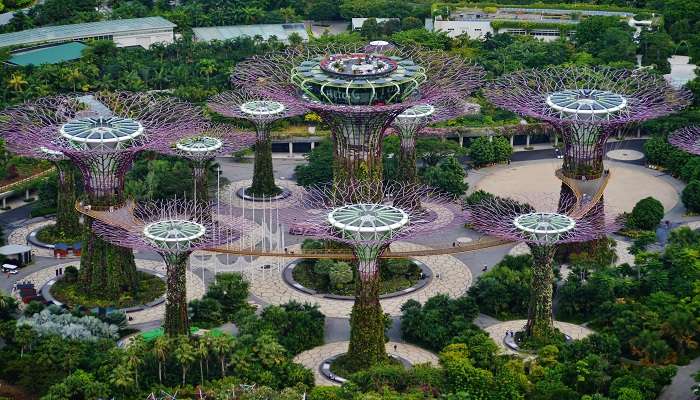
(174, 229)
(200, 149)
(537, 222)
(262, 112)
(358, 93)
(356, 216)
(101, 134)
(586, 105)
(412, 122)
(686, 139)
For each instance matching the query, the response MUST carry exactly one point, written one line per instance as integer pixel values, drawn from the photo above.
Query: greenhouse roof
(48, 55)
(86, 30)
(280, 31)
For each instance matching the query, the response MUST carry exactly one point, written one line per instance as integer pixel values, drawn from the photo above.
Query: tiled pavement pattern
(195, 287)
(313, 358)
(498, 331)
(454, 280)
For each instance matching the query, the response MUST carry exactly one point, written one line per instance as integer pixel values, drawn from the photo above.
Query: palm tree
(160, 351)
(17, 82)
(202, 351)
(207, 67)
(682, 328)
(121, 377)
(73, 76)
(288, 14)
(24, 336)
(223, 345)
(134, 356)
(184, 354)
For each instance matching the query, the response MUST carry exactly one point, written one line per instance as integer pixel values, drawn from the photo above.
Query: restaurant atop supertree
(214, 141)
(174, 229)
(537, 222)
(686, 139)
(586, 106)
(101, 134)
(365, 217)
(358, 93)
(262, 112)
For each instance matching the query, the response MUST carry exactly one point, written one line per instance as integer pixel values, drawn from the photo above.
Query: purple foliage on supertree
(416, 120)
(537, 220)
(378, 46)
(168, 227)
(214, 141)
(101, 133)
(686, 139)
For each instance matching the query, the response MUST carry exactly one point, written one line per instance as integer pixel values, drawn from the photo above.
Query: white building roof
(12, 249)
(280, 31)
(90, 29)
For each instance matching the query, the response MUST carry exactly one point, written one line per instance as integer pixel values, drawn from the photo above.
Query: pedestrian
(395, 348)
(486, 267)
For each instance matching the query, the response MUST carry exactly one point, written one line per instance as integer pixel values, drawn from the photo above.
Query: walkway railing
(588, 193)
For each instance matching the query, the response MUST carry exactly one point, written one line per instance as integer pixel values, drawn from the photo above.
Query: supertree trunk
(407, 159)
(263, 176)
(106, 270)
(540, 325)
(201, 181)
(367, 344)
(67, 219)
(176, 317)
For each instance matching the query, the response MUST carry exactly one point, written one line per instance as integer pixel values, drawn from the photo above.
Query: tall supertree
(537, 222)
(358, 93)
(174, 229)
(356, 216)
(262, 112)
(101, 134)
(200, 149)
(686, 139)
(586, 105)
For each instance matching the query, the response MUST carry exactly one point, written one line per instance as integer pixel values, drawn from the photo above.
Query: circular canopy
(586, 102)
(543, 226)
(262, 107)
(173, 233)
(199, 144)
(358, 65)
(367, 218)
(100, 130)
(418, 111)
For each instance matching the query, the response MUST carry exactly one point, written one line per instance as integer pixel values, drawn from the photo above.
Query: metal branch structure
(174, 229)
(262, 112)
(686, 139)
(352, 215)
(358, 93)
(101, 134)
(586, 105)
(538, 223)
(200, 149)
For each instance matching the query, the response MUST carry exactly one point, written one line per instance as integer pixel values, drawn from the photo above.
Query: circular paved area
(519, 250)
(625, 155)
(228, 194)
(268, 285)
(195, 287)
(313, 358)
(19, 236)
(498, 331)
(628, 183)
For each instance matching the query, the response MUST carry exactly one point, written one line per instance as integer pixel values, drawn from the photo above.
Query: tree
(17, 82)
(79, 385)
(222, 346)
(231, 291)
(161, 346)
(319, 168)
(481, 151)
(647, 214)
(448, 176)
(184, 354)
(409, 23)
(691, 196)
(323, 10)
(423, 37)
(657, 47)
(436, 323)
(502, 150)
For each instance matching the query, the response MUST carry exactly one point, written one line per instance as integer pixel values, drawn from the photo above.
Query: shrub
(481, 151)
(231, 291)
(646, 214)
(69, 326)
(691, 196)
(502, 150)
(340, 274)
(447, 176)
(70, 274)
(206, 313)
(503, 291)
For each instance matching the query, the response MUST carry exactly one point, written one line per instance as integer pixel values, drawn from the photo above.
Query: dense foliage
(646, 214)
(504, 290)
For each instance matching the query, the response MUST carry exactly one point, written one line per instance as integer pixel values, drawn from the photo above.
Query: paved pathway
(195, 287)
(313, 358)
(19, 236)
(268, 286)
(681, 387)
(498, 331)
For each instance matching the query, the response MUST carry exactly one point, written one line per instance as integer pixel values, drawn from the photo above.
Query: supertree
(686, 139)
(262, 112)
(101, 134)
(586, 105)
(356, 216)
(358, 93)
(200, 149)
(174, 229)
(537, 222)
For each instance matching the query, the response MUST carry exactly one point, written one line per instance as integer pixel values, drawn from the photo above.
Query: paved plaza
(19, 236)
(313, 358)
(497, 332)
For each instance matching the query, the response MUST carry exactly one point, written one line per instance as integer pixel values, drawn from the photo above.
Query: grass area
(298, 131)
(340, 366)
(150, 288)
(50, 235)
(304, 273)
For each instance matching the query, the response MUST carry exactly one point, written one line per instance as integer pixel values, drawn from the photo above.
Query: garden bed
(340, 369)
(151, 287)
(50, 235)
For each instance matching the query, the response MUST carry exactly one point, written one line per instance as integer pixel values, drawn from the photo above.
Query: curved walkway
(681, 387)
(313, 358)
(195, 287)
(269, 286)
(497, 332)
(19, 236)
